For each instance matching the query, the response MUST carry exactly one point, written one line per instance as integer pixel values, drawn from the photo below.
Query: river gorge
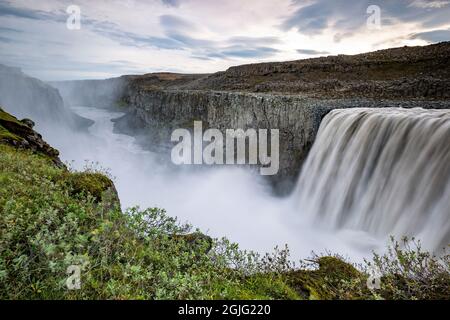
(354, 170)
(247, 152)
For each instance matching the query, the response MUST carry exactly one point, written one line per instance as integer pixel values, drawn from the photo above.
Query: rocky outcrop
(21, 135)
(27, 97)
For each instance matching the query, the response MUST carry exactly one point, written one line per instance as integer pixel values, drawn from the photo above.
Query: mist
(27, 97)
(228, 201)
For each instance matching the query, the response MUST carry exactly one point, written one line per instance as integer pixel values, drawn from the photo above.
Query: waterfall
(384, 171)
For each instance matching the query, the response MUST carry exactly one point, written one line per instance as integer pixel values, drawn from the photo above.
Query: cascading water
(370, 173)
(383, 171)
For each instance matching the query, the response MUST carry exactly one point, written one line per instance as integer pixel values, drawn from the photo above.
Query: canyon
(292, 97)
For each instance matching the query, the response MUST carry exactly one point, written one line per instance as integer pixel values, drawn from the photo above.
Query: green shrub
(409, 272)
(51, 218)
(86, 183)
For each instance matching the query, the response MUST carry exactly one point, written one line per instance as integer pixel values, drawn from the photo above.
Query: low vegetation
(52, 218)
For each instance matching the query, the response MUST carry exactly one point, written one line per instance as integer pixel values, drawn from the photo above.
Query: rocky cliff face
(290, 96)
(20, 134)
(155, 114)
(27, 97)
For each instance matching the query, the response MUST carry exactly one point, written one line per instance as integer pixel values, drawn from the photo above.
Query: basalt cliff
(290, 96)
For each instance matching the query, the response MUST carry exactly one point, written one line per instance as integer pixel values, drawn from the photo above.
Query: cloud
(6, 40)
(241, 52)
(176, 36)
(430, 4)
(311, 19)
(338, 16)
(25, 13)
(252, 41)
(312, 52)
(135, 40)
(432, 36)
(338, 37)
(171, 22)
(105, 28)
(239, 47)
(171, 3)
(244, 47)
(9, 30)
(131, 39)
(186, 41)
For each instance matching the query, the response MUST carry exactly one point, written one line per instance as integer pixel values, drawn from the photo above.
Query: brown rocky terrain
(406, 72)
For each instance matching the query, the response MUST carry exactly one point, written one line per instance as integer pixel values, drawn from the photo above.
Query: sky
(117, 37)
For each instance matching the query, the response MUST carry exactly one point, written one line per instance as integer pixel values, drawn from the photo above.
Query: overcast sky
(200, 36)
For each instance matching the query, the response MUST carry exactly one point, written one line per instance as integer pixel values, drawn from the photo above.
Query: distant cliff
(399, 73)
(109, 93)
(95, 93)
(27, 97)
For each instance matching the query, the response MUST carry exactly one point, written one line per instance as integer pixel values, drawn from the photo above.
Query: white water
(227, 202)
(380, 171)
(370, 174)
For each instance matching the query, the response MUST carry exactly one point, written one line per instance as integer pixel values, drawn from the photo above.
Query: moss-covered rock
(7, 137)
(323, 283)
(89, 183)
(196, 241)
(9, 127)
